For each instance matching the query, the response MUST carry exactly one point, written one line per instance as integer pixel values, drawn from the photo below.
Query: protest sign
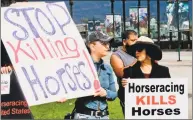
(14, 105)
(156, 99)
(48, 54)
(5, 83)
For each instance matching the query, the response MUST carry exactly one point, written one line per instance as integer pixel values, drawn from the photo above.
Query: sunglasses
(139, 49)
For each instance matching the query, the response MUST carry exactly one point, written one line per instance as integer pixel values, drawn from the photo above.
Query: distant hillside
(98, 9)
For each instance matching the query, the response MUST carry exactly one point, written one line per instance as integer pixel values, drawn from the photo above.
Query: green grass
(58, 110)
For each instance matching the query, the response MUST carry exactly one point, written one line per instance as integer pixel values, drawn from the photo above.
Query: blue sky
(99, 8)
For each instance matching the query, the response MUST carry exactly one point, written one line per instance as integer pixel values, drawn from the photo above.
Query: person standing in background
(123, 58)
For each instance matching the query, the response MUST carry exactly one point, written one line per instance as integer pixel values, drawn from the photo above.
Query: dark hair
(126, 33)
(88, 48)
(149, 52)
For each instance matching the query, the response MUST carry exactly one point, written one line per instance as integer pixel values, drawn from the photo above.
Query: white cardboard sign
(156, 99)
(5, 84)
(47, 52)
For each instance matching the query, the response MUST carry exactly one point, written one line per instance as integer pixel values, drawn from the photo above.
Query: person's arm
(111, 92)
(6, 65)
(117, 65)
(126, 76)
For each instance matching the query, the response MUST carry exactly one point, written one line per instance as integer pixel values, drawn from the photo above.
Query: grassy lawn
(58, 110)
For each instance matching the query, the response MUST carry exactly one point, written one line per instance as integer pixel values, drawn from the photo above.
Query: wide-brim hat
(152, 49)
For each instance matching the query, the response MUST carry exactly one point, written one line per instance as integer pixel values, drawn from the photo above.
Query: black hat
(152, 49)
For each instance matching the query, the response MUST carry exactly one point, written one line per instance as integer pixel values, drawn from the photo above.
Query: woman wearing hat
(146, 52)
